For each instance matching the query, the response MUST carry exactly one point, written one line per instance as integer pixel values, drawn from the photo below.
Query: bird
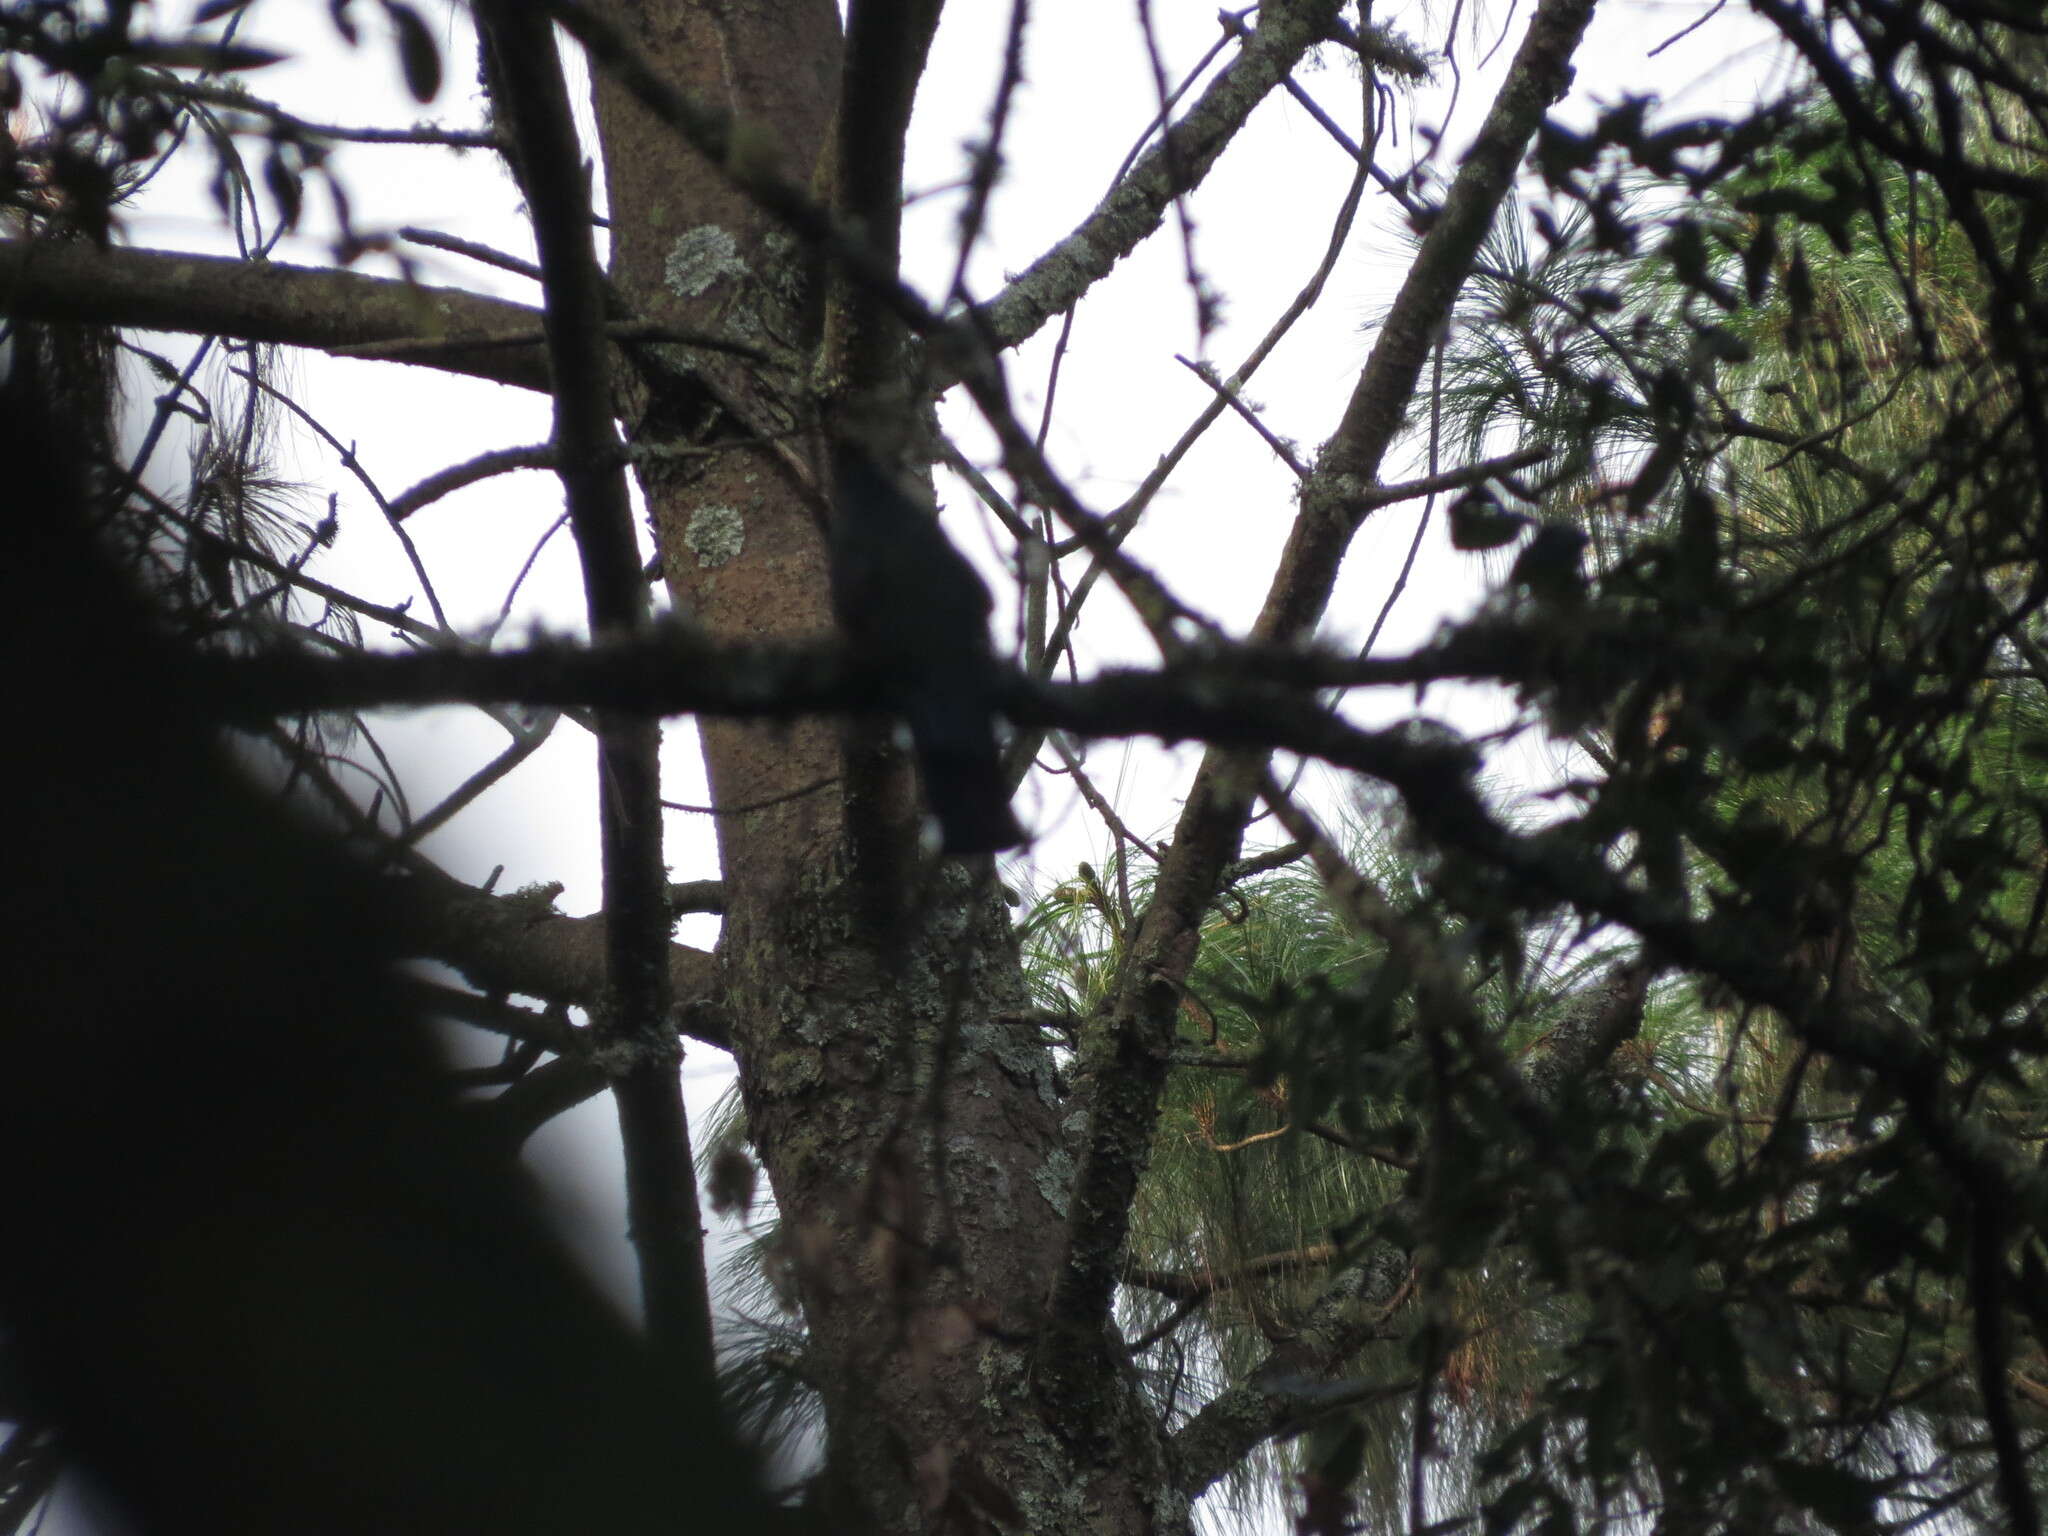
(1550, 567)
(912, 607)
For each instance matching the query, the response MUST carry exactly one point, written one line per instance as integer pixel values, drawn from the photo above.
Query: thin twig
(1234, 398)
(235, 98)
(445, 482)
(475, 251)
(354, 466)
(523, 746)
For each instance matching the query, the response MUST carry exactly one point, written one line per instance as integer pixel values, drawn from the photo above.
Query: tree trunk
(895, 1085)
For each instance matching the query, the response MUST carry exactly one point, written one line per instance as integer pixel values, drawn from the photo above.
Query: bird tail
(964, 783)
(970, 798)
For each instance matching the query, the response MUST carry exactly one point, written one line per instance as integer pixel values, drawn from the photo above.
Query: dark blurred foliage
(257, 1268)
(126, 93)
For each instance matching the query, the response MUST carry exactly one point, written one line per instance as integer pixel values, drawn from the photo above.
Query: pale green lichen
(1054, 1178)
(783, 259)
(699, 258)
(792, 1072)
(1024, 1060)
(716, 535)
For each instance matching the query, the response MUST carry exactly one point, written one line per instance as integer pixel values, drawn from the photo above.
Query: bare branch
(550, 1029)
(323, 308)
(349, 461)
(235, 97)
(447, 481)
(1262, 863)
(697, 896)
(518, 944)
(1286, 452)
(1186, 1285)
(550, 1089)
(524, 73)
(523, 745)
(1176, 164)
(886, 45)
(434, 239)
(1372, 498)
(1281, 1393)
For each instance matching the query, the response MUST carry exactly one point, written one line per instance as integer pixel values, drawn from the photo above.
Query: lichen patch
(1054, 1178)
(715, 535)
(699, 258)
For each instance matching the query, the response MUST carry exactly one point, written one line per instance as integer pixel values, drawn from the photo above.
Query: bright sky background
(1261, 223)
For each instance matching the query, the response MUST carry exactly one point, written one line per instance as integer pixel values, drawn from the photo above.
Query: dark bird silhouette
(1551, 568)
(913, 607)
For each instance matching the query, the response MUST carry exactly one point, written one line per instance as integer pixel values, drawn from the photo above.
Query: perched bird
(912, 605)
(1479, 521)
(1550, 567)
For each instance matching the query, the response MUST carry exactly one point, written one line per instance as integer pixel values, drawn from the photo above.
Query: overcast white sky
(1260, 227)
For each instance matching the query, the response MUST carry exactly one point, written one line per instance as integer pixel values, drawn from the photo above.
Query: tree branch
(550, 1030)
(697, 896)
(323, 308)
(518, 944)
(1174, 166)
(277, 122)
(1184, 1285)
(887, 42)
(1247, 696)
(1125, 1059)
(635, 1034)
(550, 1089)
(445, 482)
(1286, 1389)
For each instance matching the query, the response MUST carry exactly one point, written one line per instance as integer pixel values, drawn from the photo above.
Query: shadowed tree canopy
(1655, 1147)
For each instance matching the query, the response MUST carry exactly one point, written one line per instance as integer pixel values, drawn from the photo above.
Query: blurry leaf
(1999, 986)
(1549, 568)
(419, 55)
(1686, 249)
(1799, 297)
(1338, 1452)
(214, 58)
(1681, 1148)
(1560, 153)
(286, 185)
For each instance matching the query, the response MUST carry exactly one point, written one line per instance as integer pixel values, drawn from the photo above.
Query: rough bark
(895, 1086)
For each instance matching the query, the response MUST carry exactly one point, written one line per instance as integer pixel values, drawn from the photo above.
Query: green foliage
(1808, 685)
